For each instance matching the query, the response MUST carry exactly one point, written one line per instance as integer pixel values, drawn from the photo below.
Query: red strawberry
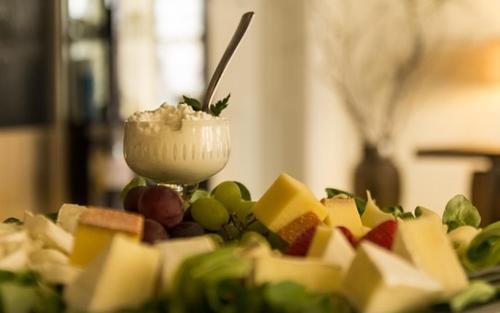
(348, 235)
(301, 245)
(383, 234)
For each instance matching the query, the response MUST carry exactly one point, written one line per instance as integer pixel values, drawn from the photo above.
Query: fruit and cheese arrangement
(188, 250)
(219, 251)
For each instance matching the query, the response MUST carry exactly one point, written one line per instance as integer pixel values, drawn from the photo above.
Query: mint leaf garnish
(219, 106)
(192, 102)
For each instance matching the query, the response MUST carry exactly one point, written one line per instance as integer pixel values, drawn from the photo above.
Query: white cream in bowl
(175, 144)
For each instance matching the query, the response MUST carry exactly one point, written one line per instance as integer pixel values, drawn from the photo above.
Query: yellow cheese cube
(124, 275)
(423, 242)
(343, 212)
(373, 215)
(97, 227)
(314, 275)
(284, 201)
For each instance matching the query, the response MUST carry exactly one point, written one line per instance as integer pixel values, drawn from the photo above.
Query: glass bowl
(185, 156)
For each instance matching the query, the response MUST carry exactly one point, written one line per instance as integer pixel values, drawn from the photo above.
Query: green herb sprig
(214, 109)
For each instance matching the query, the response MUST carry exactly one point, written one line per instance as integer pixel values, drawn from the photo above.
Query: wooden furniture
(485, 184)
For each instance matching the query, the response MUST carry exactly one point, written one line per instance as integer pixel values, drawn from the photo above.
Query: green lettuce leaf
(484, 249)
(477, 292)
(460, 211)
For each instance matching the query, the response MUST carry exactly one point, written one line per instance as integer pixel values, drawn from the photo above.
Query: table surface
(461, 151)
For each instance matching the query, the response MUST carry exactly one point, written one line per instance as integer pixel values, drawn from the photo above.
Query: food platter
(219, 250)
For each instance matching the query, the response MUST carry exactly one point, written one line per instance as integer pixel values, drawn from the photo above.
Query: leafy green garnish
(398, 212)
(484, 249)
(219, 106)
(51, 216)
(193, 103)
(289, 297)
(360, 202)
(157, 305)
(37, 296)
(477, 292)
(460, 211)
(12, 220)
(197, 279)
(214, 109)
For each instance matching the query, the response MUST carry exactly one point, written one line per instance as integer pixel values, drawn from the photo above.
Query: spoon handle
(226, 57)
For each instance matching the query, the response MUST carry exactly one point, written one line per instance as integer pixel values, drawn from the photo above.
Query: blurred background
(399, 97)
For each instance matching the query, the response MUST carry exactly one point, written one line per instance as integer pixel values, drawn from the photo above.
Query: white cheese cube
(53, 236)
(331, 246)
(381, 282)
(68, 216)
(424, 242)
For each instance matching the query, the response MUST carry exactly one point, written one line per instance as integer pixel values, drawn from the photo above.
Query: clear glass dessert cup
(182, 157)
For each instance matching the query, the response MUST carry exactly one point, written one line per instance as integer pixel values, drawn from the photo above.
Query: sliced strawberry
(383, 234)
(300, 246)
(348, 235)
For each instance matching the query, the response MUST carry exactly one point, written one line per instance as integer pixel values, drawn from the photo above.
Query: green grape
(244, 212)
(250, 237)
(209, 213)
(228, 193)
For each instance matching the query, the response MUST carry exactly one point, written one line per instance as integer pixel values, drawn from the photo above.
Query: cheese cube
(123, 275)
(423, 242)
(343, 212)
(97, 227)
(330, 246)
(173, 252)
(373, 215)
(68, 216)
(314, 275)
(51, 235)
(381, 282)
(461, 237)
(284, 201)
(293, 230)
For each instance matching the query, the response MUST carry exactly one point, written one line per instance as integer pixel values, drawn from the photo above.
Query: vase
(379, 175)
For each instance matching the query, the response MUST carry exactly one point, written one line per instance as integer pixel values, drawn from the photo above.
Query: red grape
(153, 231)
(161, 204)
(131, 202)
(186, 229)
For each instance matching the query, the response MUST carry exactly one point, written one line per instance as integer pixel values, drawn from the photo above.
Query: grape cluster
(161, 206)
(225, 213)
(227, 210)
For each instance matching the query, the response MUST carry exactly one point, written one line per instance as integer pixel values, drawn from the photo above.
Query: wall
(285, 117)
(23, 171)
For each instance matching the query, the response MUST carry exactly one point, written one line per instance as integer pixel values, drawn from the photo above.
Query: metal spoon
(226, 57)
